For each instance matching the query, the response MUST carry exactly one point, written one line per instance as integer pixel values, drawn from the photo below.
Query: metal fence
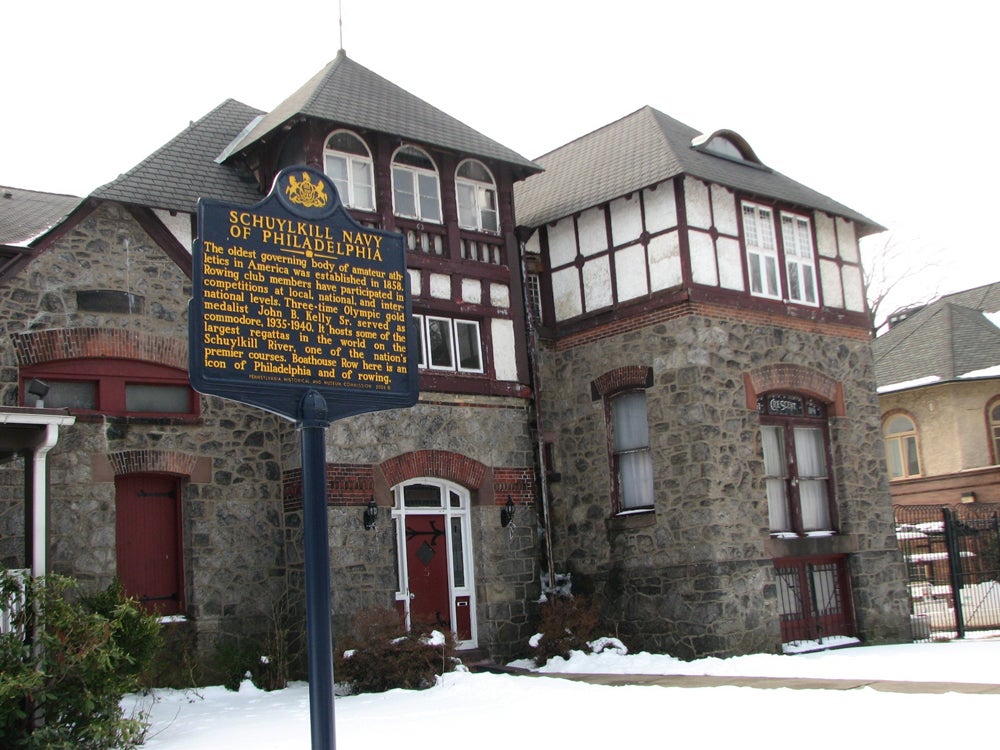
(952, 556)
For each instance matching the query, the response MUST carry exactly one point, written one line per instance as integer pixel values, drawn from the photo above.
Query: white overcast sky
(889, 107)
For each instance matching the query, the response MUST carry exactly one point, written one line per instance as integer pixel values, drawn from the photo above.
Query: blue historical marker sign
(292, 295)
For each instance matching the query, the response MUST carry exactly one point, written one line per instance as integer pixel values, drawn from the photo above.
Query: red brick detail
(346, 484)
(148, 462)
(441, 464)
(785, 377)
(107, 343)
(620, 379)
(709, 310)
(516, 483)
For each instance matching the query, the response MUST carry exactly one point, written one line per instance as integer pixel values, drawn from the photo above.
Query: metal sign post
(300, 310)
(313, 424)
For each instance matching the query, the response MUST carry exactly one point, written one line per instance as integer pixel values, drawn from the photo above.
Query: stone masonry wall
(228, 457)
(696, 577)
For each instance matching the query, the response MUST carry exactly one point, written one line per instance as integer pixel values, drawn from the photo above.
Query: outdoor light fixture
(507, 513)
(371, 515)
(39, 389)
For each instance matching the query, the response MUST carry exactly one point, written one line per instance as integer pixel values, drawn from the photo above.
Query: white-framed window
(800, 263)
(416, 189)
(901, 447)
(796, 457)
(476, 192)
(765, 253)
(631, 460)
(449, 344)
(762, 251)
(348, 162)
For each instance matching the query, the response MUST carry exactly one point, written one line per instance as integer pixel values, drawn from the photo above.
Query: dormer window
(416, 189)
(349, 164)
(477, 197)
(723, 147)
(728, 145)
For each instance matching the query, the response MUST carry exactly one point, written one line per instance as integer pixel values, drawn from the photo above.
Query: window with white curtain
(349, 164)
(796, 458)
(477, 197)
(631, 459)
(416, 190)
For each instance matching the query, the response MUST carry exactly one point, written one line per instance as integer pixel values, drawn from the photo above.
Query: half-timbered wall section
(685, 233)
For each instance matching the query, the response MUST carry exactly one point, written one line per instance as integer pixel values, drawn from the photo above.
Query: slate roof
(349, 93)
(176, 175)
(643, 149)
(946, 339)
(27, 214)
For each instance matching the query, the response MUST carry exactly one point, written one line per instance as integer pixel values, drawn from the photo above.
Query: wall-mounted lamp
(371, 515)
(968, 497)
(507, 513)
(39, 389)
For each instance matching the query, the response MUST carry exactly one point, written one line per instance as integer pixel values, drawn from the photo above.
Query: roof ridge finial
(340, 22)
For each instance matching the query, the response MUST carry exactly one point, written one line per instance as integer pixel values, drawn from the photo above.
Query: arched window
(416, 189)
(349, 164)
(795, 443)
(901, 448)
(477, 197)
(994, 419)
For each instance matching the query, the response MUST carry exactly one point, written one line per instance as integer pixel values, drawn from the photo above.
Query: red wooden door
(427, 571)
(148, 541)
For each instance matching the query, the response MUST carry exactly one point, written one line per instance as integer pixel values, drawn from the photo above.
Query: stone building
(688, 394)
(705, 394)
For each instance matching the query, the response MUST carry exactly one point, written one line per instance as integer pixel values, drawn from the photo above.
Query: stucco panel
(724, 210)
(562, 243)
(630, 272)
(730, 263)
(592, 231)
(703, 263)
(661, 207)
(833, 289)
(696, 204)
(626, 220)
(597, 283)
(566, 293)
(664, 262)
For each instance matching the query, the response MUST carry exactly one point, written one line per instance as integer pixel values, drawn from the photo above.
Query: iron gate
(952, 556)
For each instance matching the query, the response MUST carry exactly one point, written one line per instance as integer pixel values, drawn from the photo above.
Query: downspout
(39, 501)
(536, 391)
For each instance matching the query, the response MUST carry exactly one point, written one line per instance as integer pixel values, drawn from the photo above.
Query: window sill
(820, 543)
(630, 520)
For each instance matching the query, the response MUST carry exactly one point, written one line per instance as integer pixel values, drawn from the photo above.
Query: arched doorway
(437, 589)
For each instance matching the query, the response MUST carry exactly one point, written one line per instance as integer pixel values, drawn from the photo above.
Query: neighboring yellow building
(938, 375)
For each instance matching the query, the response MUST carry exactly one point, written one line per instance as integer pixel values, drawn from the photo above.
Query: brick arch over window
(112, 343)
(154, 462)
(794, 378)
(621, 379)
(440, 464)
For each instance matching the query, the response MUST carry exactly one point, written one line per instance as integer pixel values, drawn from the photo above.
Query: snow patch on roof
(986, 372)
(908, 384)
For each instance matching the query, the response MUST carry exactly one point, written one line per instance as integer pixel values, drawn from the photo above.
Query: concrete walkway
(770, 683)
(765, 683)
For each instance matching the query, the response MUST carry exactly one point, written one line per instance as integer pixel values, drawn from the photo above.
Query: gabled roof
(27, 214)
(945, 340)
(175, 176)
(348, 93)
(642, 149)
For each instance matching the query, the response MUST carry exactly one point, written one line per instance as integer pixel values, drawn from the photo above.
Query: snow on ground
(488, 711)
